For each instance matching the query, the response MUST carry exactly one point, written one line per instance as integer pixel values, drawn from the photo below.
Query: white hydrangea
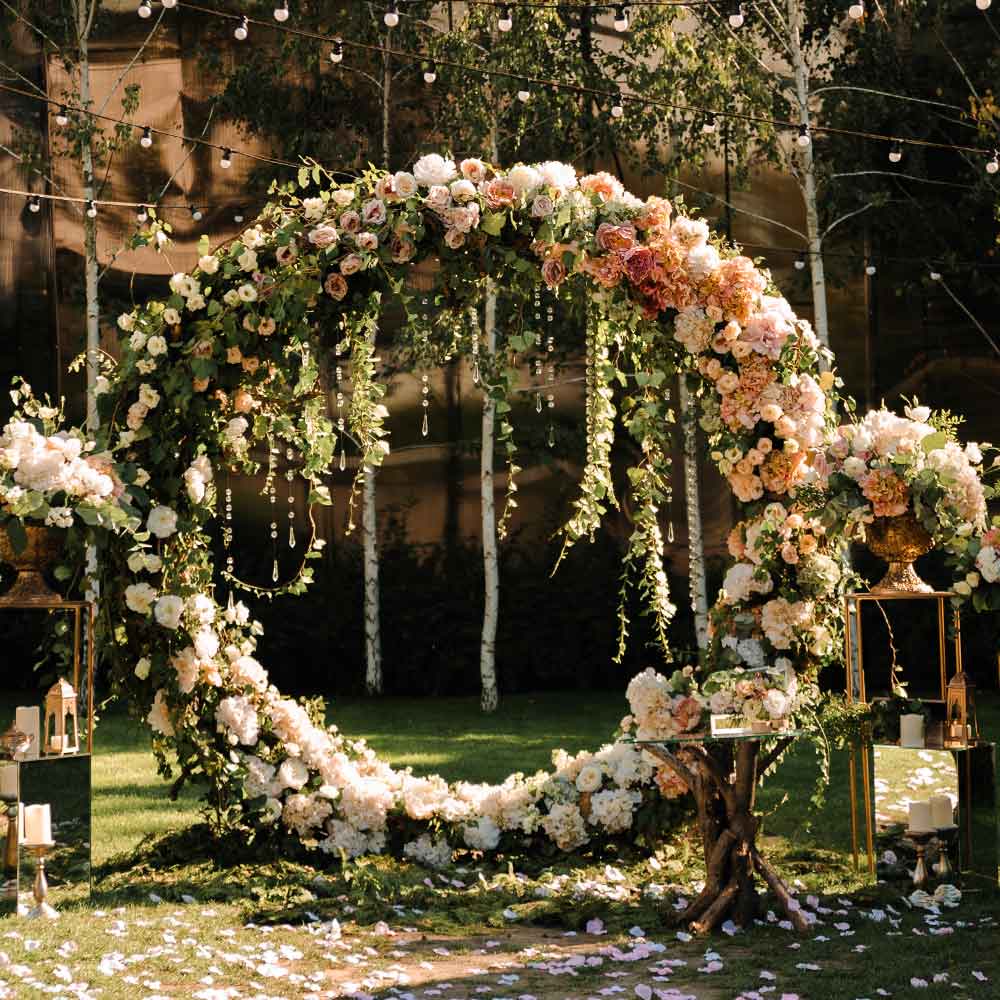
(612, 809)
(425, 851)
(433, 169)
(238, 716)
(483, 835)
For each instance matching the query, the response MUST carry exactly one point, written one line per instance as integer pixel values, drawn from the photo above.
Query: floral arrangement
(53, 476)
(664, 708)
(886, 465)
(768, 695)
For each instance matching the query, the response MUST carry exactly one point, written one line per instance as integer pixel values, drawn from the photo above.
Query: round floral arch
(233, 358)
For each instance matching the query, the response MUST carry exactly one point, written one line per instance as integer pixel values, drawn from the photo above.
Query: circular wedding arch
(234, 356)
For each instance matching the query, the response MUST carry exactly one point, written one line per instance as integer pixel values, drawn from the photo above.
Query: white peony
(560, 176)
(433, 169)
(524, 179)
(168, 611)
(702, 261)
(148, 396)
(139, 598)
(162, 522)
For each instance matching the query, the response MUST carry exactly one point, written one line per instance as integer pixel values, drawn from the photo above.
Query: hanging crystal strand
(475, 357)
(424, 402)
(670, 510)
(550, 346)
(227, 529)
(290, 477)
(338, 378)
(538, 375)
(272, 496)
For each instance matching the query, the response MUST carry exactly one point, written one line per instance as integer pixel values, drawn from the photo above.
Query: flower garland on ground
(231, 358)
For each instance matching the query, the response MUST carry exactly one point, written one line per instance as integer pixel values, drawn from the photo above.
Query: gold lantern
(60, 710)
(960, 725)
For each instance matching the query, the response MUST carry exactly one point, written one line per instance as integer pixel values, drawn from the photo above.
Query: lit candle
(941, 811)
(911, 730)
(28, 720)
(38, 824)
(920, 817)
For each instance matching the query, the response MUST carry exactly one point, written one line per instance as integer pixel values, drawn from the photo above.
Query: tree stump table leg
(724, 787)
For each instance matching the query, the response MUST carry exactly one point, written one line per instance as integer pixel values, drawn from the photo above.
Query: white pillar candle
(28, 721)
(20, 823)
(942, 814)
(8, 781)
(38, 824)
(920, 817)
(911, 730)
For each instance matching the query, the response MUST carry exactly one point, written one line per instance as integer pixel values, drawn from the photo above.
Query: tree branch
(188, 154)
(138, 52)
(972, 319)
(773, 754)
(742, 211)
(681, 770)
(885, 93)
(909, 177)
(850, 215)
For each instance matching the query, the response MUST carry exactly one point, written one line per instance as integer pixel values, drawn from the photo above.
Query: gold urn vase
(39, 554)
(899, 540)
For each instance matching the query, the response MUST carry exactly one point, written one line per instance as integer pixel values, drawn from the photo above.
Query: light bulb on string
(800, 263)
(169, 4)
(993, 164)
(142, 215)
(737, 16)
(391, 15)
(803, 139)
(856, 11)
(281, 13)
(34, 205)
(196, 213)
(91, 210)
(147, 138)
(226, 160)
(617, 109)
(983, 4)
(506, 21)
(524, 96)
(62, 118)
(709, 125)
(145, 10)
(621, 17)
(242, 29)
(935, 275)
(238, 218)
(870, 269)
(337, 52)
(430, 73)
(895, 152)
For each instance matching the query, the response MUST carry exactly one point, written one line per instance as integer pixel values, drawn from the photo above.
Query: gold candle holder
(920, 839)
(947, 836)
(42, 907)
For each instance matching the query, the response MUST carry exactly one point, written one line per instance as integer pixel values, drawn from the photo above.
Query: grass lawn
(166, 920)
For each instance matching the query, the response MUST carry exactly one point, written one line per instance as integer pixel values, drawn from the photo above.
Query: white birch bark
(807, 176)
(489, 697)
(692, 499)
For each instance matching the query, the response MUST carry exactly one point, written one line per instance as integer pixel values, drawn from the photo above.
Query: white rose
(206, 644)
(524, 179)
(202, 607)
(232, 297)
(208, 264)
(177, 283)
(963, 588)
(101, 385)
(126, 321)
(247, 293)
(973, 453)
(252, 238)
(463, 191)
(142, 668)
(171, 317)
(137, 341)
(313, 209)
(433, 169)
(854, 467)
(196, 302)
(247, 260)
(139, 598)
(293, 773)
(168, 611)
(776, 703)
(162, 522)
(194, 482)
(148, 396)
(921, 414)
(137, 562)
(589, 779)
(342, 197)
(153, 563)
(404, 184)
(972, 579)
(156, 345)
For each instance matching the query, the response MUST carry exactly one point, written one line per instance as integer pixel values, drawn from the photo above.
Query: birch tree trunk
(807, 178)
(692, 500)
(489, 697)
(369, 514)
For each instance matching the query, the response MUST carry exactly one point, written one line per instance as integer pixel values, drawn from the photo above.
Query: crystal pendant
(670, 532)
(291, 536)
(343, 459)
(552, 435)
(538, 402)
(424, 428)
(475, 373)
(231, 604)
(274, 572)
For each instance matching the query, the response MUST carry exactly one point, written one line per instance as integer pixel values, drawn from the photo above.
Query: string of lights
(870, 261)
(615, 100)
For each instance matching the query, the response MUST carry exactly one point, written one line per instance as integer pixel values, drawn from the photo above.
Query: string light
(281, 13)
(993, 165)
(856, 11)
(621, 17)
(145, 10)
(524, 96)
(803, 139)
(737, 16)
(870, 269)
(430, 73)
(242, 29)
(895, 152)
(238, 218)
(62, 119)
(983, 4)
(391, 15)
(709, 125)
(506, 21)
(196, 213)
(800, 263)
(142, 215)
(169, 4)
(337, 52)
(147, 138)
(935, 275)
(226, 160)
(34, 205)
(91, 210)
